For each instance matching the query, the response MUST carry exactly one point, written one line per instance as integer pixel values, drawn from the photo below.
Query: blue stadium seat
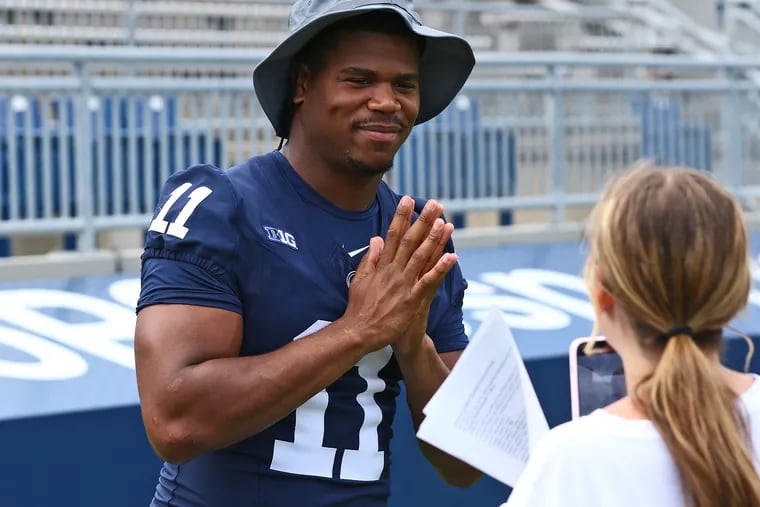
(666, 138)
(460, 137)
(62, 145)
(118, 140)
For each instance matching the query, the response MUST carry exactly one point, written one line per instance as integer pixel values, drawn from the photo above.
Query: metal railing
(88, 151)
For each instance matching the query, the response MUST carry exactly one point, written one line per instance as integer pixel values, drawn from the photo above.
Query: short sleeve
(446, 323)
(193, 244)
(446, 320)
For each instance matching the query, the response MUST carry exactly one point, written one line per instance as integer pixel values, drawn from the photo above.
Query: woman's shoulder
(566, 442)
(561, 463)
(597, 434)
(580, 429)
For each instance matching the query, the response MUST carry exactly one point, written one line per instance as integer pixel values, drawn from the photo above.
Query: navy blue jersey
(257, 240)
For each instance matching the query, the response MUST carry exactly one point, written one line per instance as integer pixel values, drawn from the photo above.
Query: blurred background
(101, 100)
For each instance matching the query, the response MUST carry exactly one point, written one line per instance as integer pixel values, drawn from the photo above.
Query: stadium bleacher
(602, 129)
(557, 26)
(488, 25)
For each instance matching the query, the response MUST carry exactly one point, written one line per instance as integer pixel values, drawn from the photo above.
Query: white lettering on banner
(754, 295)
(540, 308)
(53, 361)
(528, 297)
(519, 312)
(535, 283)
(21, 308)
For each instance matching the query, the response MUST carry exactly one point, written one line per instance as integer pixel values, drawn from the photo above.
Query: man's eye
(359, 80)
(408, 85)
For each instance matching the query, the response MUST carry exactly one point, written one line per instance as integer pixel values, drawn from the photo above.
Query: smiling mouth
(381, 132)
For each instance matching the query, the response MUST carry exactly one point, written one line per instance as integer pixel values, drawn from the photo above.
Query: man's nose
(384, 99)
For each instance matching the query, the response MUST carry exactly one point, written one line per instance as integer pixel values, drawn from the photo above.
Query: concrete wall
(701, 11)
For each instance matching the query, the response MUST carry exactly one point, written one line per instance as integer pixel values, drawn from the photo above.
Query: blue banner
(66, 345)
(68, 400)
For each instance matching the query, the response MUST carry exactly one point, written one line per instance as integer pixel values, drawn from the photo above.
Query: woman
(668, 269)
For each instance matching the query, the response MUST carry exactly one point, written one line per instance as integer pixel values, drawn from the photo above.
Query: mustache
(381, 119)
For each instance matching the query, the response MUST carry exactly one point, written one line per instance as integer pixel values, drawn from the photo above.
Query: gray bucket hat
(445, 63)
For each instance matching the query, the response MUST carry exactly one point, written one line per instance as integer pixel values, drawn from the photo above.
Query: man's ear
(302, 76)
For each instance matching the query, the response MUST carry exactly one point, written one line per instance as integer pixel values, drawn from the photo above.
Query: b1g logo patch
(280, 236)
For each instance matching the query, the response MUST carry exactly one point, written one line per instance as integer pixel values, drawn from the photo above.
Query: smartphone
(596, 375)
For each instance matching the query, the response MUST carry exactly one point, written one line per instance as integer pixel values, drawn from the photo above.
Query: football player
(274, 322)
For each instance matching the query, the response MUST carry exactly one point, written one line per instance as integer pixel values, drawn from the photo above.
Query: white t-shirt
(603, 460)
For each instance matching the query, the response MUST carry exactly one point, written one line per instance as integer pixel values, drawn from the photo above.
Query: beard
(357, 166)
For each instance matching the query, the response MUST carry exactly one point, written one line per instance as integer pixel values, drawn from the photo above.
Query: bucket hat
(445, 63)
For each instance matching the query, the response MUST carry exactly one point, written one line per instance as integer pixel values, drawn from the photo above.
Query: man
(274, 323)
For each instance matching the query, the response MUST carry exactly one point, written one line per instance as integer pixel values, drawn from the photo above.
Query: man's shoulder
(256, 168)
(261, 161)
(217, 195)
(389, 193)
(196, 189)
(259, 179)
(196, 217)
(386, 192)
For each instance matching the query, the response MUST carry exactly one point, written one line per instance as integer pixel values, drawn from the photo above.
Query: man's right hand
(399, 276)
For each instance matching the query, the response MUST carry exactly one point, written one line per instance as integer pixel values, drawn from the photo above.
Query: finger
(418, 231)
(370, 259)
(448, 229)
(397, 229)
(425, 251)
(429, 282)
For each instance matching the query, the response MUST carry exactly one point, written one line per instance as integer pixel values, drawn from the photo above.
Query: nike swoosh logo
(356, 252)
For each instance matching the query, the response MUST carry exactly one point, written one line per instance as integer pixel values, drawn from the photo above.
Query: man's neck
(344, 189)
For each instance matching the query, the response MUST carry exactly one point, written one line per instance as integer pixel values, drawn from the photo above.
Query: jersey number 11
(306, 455)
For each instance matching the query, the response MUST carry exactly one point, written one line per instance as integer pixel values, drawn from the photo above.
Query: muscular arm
(196, 395)
(423, 373)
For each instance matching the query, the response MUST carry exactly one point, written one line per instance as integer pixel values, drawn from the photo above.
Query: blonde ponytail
(702, 426)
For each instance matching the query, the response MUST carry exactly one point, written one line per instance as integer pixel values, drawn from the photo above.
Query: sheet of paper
(486, 413)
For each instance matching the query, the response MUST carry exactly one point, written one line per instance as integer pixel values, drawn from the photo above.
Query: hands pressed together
(391, 293)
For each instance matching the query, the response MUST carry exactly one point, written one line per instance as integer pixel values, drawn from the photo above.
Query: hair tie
(687, 330)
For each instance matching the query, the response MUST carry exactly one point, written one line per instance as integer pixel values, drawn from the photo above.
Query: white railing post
(131, 23)
(555, 111)
(731, 120)
(83, 174)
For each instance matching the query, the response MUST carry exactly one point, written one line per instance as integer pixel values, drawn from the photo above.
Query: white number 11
(177, 228)
(306, 455)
